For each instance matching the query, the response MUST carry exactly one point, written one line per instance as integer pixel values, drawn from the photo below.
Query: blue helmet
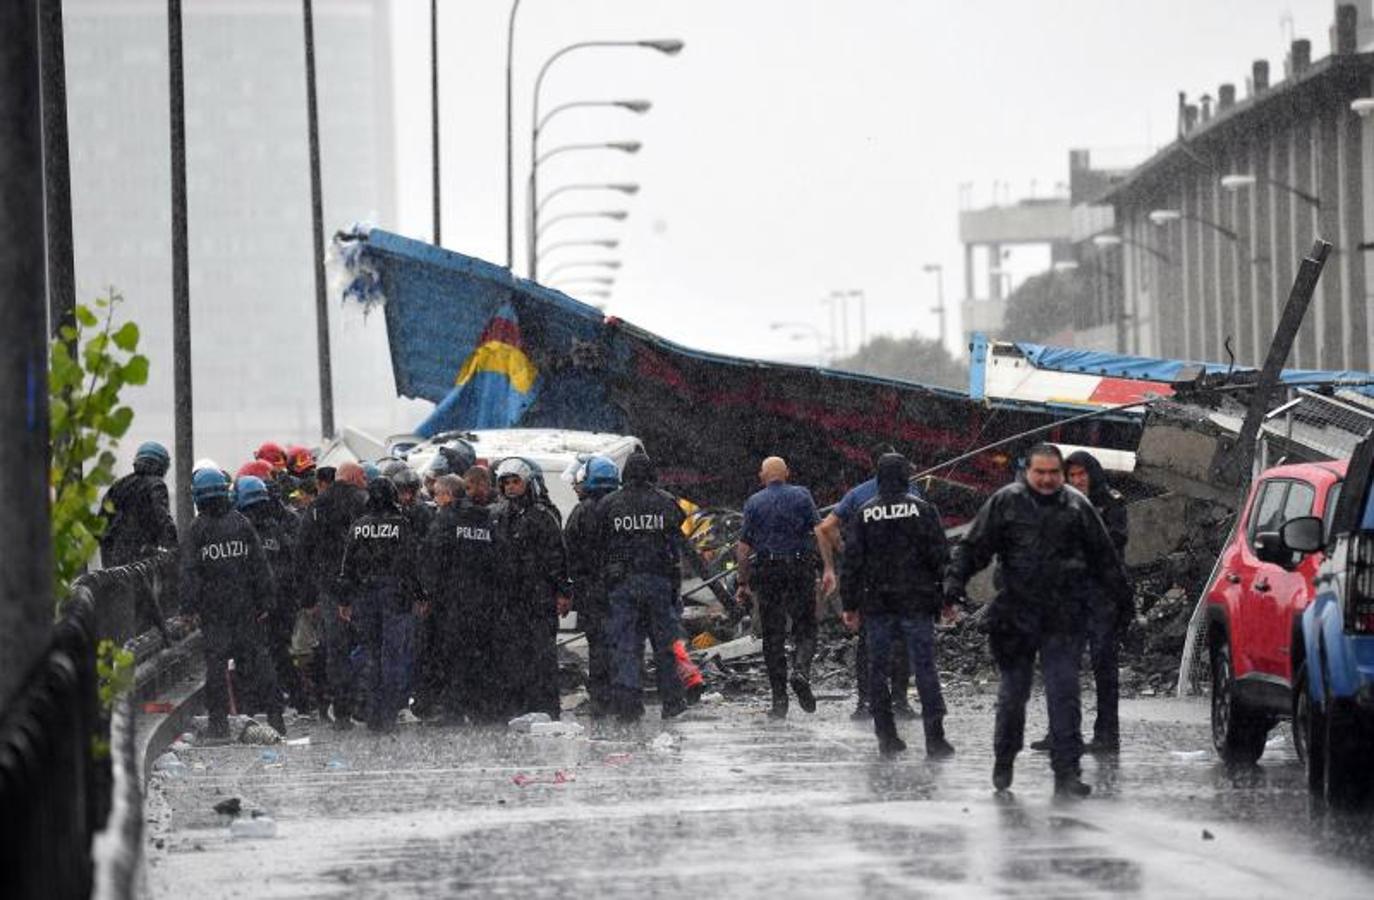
(208, 484)
(152, 457)
(249, 490)
(602, 474)
(371, 472)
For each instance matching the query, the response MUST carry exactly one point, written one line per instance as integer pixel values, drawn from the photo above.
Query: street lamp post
(805, 326)
(604, 280)
(510, 140)
(534, 228)
(583, 264)
(1165, 216)
(618, 215)
(606, 243)
(1116, 240)
(1236, 182)
(669, 47)
(630, 189)
(939, 272)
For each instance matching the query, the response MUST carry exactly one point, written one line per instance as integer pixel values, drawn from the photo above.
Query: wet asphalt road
(741, 806)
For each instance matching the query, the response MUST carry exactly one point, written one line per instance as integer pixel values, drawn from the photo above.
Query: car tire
(1237, 733)
(1309, 730)
(1346, 777)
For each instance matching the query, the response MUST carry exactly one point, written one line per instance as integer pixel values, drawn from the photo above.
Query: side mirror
(1303, 535)
(1269, 548)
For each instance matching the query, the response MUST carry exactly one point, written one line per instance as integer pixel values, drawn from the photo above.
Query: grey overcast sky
(798, 147)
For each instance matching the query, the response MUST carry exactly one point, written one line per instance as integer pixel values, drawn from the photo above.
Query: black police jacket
(382, 552)
(536, 564)
(582, 537)
(461, 558)
(139, 520)
(421, 515)
(640, 531)
(322, 537)
(1054, 556)
(225, 576)
(895, 556)
(279, 545)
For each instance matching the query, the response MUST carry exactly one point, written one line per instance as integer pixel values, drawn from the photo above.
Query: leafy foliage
(913, 358)
(87, 421)
(114, 669)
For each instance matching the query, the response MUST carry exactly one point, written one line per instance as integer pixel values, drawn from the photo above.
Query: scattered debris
(269, 756)
(561, 776)
(665, 742)
(1207, 835)
(337, 765)
(524, 723)
(231, 807)
(256, 827)
(254, 732)
(556, 729)
(169, 764)
(618, 759)
(299, 742)
(158, 707)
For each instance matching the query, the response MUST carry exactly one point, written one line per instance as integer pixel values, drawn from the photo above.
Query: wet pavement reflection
(733, 804)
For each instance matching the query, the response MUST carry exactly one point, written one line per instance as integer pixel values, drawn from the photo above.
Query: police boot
(861, 711)
(779, 707)
(1070, 785)
(1042, 745)
(936, 745)
(901, 708)
(1001, 774)
(277, 722)
(889, 743)
(805, 698)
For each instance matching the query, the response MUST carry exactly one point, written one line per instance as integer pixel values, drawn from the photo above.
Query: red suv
(1255, 604)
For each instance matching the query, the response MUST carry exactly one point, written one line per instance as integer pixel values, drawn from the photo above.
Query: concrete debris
(169, 764)
(231, 807)
(524, 723)
(556, 729)
(665, 742)
(253, 828)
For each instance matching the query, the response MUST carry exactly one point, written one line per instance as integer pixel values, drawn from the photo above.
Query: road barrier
(58, 753)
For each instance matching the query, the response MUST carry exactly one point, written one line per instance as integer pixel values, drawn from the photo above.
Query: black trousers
(1103, 652)
(787, 591)
(899, 670)
(255, 682)
(1060, 655)
(594, 617)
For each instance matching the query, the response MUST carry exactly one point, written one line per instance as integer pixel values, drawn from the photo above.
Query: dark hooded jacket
(461, 560)
(1108, 502)
(640, 527)
(536, 568)
(382, 551)
(1055, 560)
(322, 538)
(582, 537)
(279, 545)
(895, 553)
(138, 515)
(225, 576)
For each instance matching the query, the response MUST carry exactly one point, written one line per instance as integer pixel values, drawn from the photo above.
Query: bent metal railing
(55, 740)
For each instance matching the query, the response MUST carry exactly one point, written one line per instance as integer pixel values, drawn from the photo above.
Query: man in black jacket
(320, 549)
(536, 589)
(226, 583)
(254, 501)
(1056, 561)
(137, 511)
(641, 537)
(461, 573)
(582, 535)
(379, 595)
(894, 566)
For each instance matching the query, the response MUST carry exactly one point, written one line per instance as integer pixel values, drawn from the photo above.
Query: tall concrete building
(247, 163)
(1209, 231)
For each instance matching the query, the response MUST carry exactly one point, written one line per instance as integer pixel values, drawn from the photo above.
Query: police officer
(320, 548)
(641, 536)
(380, 593)
(409, 488)
(251, 498)
(1107, 621)
(894, 569)
(582, 535)
(835, 522)
(775, 555)
(461, 573)
(137, 512)
(537, 589)
(227, 583)
(1055, 561)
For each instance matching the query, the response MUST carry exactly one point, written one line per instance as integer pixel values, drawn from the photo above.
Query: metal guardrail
(55, 788)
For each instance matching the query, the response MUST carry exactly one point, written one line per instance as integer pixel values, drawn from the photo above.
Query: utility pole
(57, 177)
(434, 110)
(317, 222)
(25, 529)
(181, 290)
